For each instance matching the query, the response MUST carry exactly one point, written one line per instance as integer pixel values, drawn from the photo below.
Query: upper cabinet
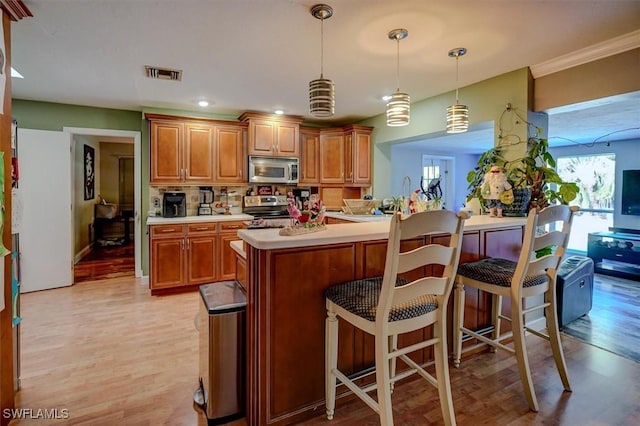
(331, 156)
(166, 151)
(357, 157)
(196, 151)
(345, 156)
(309, 156)
(230, 166)
(273, 135)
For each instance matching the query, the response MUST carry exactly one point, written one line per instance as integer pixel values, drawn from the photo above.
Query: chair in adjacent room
(403, 300)
(546, 235)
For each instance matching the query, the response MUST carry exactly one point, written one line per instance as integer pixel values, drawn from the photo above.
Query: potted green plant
(532, 174)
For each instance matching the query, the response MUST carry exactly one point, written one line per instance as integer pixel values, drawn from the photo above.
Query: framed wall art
(89, 173)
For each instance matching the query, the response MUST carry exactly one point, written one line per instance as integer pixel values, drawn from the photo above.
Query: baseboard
(82, 253)
(538, 324)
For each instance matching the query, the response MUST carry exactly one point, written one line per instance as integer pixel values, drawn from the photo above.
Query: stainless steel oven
(273, 170)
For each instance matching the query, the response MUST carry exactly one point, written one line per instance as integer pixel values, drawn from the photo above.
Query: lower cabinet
(192, 254)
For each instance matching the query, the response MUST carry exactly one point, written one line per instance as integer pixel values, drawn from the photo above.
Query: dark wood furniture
(615, 253)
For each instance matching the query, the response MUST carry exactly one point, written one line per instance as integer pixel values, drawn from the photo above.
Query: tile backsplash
(234, 197)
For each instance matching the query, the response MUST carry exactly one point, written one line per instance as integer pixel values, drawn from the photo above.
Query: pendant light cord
(457, 57)
(321, 47)
(398, 64)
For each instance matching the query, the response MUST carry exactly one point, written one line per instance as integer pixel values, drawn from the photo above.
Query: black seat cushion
(497, 271)
(361, 297)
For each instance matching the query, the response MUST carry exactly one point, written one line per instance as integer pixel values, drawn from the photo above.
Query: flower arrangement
(311, 215)
(310, 219)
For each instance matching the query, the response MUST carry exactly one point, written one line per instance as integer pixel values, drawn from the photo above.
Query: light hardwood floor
(111, 353)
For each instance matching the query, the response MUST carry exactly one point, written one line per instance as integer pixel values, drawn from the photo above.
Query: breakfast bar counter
(286, 277)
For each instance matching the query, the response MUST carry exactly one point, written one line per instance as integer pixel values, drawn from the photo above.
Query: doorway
(107, 229)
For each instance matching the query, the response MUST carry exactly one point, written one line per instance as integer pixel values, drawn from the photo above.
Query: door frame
(137, 177)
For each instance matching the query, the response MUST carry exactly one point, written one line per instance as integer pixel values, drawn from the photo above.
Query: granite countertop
(267, 239)
(156, 220)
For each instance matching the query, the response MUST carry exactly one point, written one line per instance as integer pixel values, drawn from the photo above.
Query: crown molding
(16, 9)
(601, 50)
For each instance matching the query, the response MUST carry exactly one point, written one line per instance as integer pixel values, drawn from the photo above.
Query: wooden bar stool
(531, 275)
(391, 305)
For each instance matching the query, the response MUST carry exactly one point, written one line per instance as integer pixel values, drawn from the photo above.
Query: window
(595, 176)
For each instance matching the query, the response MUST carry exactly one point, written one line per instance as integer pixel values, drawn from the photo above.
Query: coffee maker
(301, 196)
(174, 204)
(205, 198)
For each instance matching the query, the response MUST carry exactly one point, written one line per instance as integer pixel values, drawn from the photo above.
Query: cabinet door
(167, 263)
(287, 138)
(309, 161)
(201, 259)
(262, 137)
(165, 151)
(230, 160)
(331, 158)
(228, 233)
(361, 159)
(199, 153)
(227, 256)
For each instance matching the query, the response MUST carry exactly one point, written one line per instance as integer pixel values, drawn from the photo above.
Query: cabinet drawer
(176, 230)
(231, 226)
(202, 228)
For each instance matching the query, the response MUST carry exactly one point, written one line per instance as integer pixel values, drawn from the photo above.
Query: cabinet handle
(182, 245)
(169, 230)
(204, 228)
(232, 226)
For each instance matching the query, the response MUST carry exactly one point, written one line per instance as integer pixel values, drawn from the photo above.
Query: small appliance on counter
(174, 204)
(205, 199)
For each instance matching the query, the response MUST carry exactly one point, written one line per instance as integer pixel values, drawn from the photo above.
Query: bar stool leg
(496, 310)
(331, 361)
(551, 313)
(517, 324)
(458, 322)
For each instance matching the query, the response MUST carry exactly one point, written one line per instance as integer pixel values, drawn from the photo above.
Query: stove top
(265, 206)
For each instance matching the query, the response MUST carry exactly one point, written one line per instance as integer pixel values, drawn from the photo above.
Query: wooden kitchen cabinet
(357, 157)
(190, 151)
(345, 156)
(332, 156)
(166, 151)
(231, 164)
(192, 254)
(198, 153)
(167, 256)
(309, 156)
(201, 248)
(181, 153)
(273, 135)
(228, 233)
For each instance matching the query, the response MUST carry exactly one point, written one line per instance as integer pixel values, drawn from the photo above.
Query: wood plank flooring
(614, 320)
(110, 353)
(105, 263)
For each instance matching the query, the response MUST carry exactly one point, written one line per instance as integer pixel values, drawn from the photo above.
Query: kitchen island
(286, 277)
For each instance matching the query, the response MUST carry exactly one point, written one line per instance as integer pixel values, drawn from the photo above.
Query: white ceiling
(261, 54)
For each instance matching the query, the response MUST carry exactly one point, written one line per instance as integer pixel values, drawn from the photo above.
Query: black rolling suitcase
(574, 288)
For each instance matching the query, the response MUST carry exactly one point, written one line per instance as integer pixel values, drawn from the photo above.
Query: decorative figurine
(495, 183)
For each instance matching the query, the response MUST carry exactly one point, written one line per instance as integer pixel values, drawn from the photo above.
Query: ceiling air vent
(163, 73)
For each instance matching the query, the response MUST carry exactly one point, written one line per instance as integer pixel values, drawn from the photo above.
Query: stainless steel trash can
(221, 325)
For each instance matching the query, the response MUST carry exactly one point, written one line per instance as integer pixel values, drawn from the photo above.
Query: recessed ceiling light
(15, 73)
(279, 111)
(203, 103)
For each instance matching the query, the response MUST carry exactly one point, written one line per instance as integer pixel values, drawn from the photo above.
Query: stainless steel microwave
(273, 170)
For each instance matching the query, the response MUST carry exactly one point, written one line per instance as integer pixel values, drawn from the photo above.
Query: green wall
(486, 101)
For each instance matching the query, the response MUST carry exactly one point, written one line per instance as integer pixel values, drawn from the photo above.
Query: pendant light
(321, 91)
(457, 115)
(398, 104)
